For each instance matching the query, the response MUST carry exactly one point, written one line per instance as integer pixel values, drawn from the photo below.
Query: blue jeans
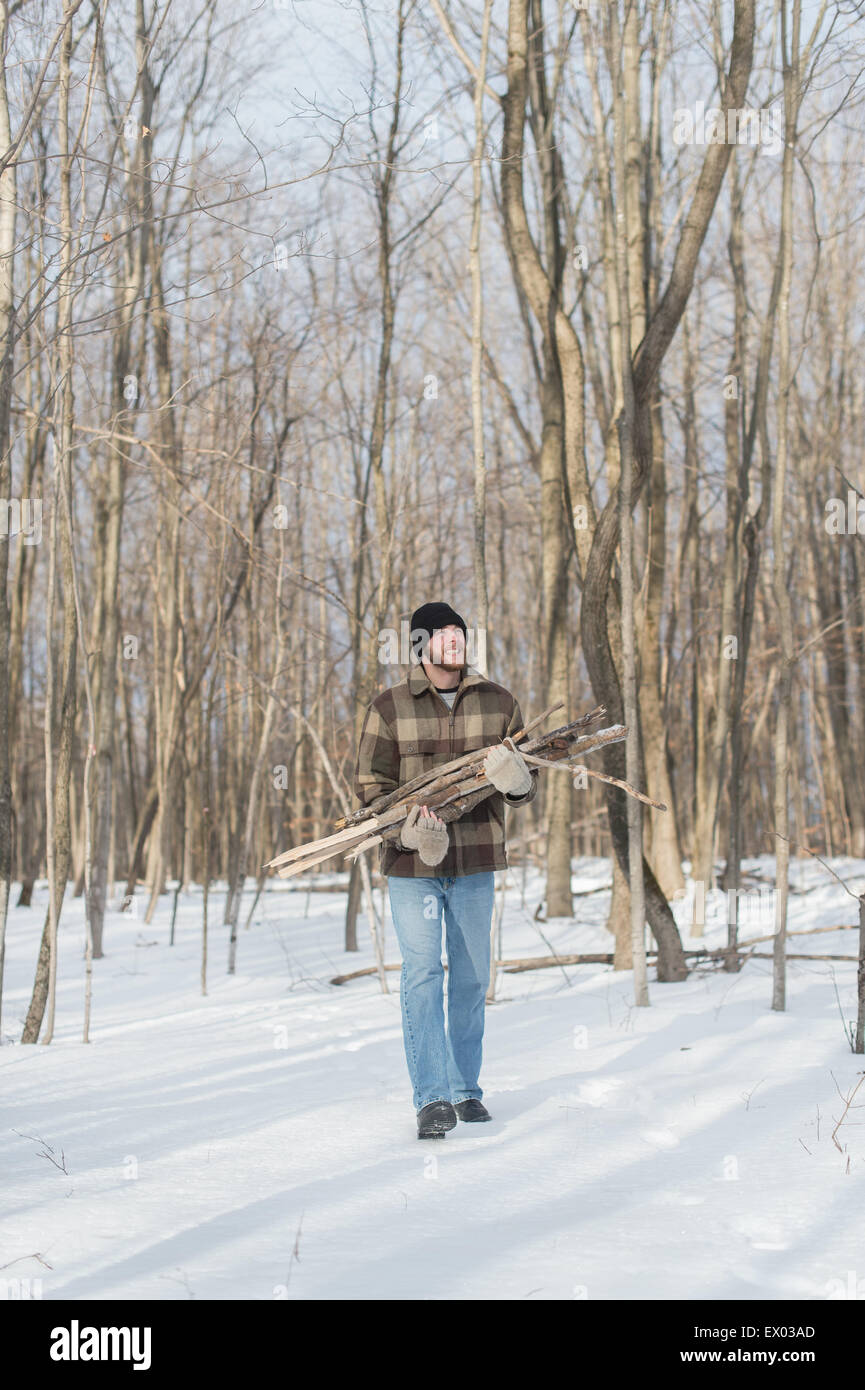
(443, 1065)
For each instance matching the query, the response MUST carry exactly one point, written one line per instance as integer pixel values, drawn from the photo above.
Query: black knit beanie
(431, 616)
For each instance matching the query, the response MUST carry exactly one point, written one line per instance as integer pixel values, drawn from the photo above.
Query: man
(442, 709)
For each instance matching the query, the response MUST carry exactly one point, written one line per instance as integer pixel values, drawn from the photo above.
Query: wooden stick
(315, 855)
(444, 774)
(601, 776)
(632, 791)
(560, 704)
(541, 962)
(450, 790)
(464, 787)
(300, 850)
(802, 931)
(798, 955)
(516, 967)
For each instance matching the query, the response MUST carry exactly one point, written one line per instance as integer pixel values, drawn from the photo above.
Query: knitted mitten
(508, 771)
(430, 840)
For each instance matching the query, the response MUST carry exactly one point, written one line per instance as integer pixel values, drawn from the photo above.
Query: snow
(259, 1142)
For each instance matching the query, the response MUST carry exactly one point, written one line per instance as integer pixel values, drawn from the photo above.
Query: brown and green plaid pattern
(409, 729)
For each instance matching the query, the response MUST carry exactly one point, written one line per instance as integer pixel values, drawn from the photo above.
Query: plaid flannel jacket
(409, 729)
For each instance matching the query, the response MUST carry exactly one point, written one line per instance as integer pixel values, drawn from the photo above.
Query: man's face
(447, 648)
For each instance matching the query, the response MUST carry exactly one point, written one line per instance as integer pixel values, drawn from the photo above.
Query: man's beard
(448, 661)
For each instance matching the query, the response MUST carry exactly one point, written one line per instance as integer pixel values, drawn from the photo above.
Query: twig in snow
(295, 1254)
(847, 1103)
(748, 1094)
(49, 1151)
(34, 1256)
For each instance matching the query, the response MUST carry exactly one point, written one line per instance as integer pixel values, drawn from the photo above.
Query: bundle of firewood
(451, 789)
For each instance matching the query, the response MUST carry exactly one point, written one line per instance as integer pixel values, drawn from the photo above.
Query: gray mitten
(508, 771)
(426, 835)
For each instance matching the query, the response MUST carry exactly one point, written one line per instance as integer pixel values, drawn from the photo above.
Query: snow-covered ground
(259, 1142)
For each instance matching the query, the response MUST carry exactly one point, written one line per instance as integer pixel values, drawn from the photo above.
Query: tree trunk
(7, 328)
(780, 578)
(480, 467)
